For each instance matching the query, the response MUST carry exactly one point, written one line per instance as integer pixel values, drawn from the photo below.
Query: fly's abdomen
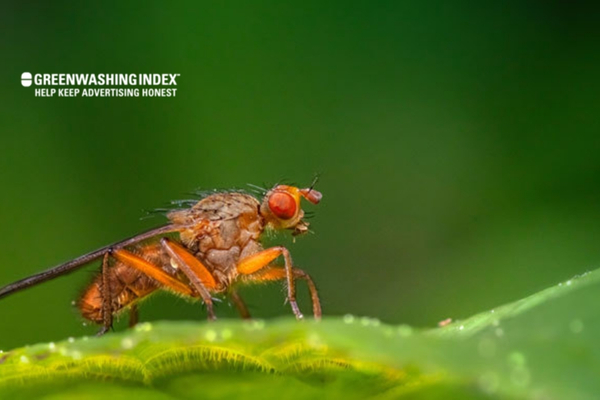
(127, 285)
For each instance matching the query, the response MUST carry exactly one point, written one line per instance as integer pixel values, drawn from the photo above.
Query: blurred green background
(457, 142)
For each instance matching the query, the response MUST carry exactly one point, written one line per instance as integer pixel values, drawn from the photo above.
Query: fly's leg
(278, 273)
(105, 292)
(134, 315)
(239, 304)
(197, 273)
(153, 271)
(146, 267)
(262, 259)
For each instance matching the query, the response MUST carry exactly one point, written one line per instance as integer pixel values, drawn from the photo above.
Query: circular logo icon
(26, 79)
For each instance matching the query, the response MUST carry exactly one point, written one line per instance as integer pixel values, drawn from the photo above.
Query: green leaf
(542, 347)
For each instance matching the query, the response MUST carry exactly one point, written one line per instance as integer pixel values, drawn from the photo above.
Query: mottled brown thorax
(220, 230)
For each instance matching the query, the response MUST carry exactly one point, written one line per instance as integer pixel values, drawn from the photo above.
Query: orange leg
(278, 273)
(153, 271)
(262, 259)
(133, 261)
(197, 273)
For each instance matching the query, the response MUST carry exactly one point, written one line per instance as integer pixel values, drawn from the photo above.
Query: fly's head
(281, 207)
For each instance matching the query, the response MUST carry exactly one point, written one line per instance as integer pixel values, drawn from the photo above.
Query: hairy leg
(278, 273)
(262, 259)
(197, 273)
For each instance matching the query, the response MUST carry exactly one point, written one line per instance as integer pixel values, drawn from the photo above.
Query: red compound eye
(282, 205)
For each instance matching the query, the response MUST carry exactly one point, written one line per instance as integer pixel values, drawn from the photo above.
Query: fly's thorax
(219, 221)
(223, 206)
(228, 242)
(224, 262)
(216, 207)
(219, 228)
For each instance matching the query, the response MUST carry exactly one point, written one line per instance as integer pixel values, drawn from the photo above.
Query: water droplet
(560, 284)
(24, 359)
(461, 327)
(366, 321)
(314, 340)
(85, 338)
(405, 330)
(143, 327)
(127, 343)
(71, 339)
(486, 348)
(519, 375)
(516, 359)
(348, 318)
(210, 335)
(248, 325)
(76, 355)
(84, 324)
(568, 283)
(576, 326)
(496, 322)
(493, 311)
(499, 332)
(73, 303)
(226, 334)
(259, 324)
(51, 346)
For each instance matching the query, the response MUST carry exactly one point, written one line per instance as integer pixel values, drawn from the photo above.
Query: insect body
(218, 247)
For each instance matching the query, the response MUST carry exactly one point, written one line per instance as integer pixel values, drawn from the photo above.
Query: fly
(206, 249)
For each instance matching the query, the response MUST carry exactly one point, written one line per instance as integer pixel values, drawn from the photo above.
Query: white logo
(26, 79)
(102, 85)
